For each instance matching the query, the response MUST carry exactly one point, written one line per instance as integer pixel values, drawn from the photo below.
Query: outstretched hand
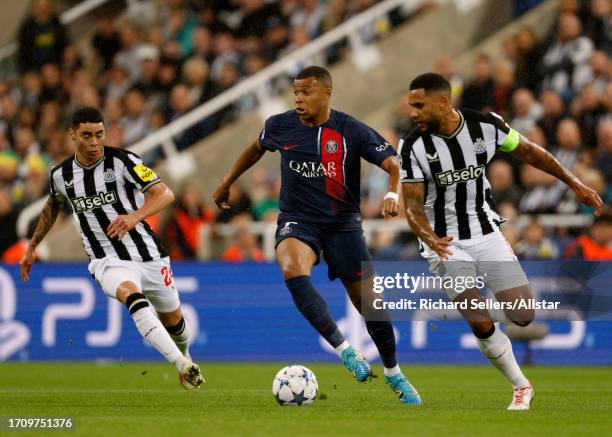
(589, 197)
(221, 197)
(25, 265)
(442, 247)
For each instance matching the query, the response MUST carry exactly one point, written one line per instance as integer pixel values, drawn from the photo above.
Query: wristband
(392, 195)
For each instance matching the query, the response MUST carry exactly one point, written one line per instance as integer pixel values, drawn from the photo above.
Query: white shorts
(489, 257)
(154, 278)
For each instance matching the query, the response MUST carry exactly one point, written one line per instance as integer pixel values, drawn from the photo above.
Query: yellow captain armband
(512, 140)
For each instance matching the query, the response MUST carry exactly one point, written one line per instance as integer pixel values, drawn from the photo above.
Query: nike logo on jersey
(289, 146)
(433, 157)
(69, 183)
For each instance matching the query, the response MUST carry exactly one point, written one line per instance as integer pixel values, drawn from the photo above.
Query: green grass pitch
(146, 399)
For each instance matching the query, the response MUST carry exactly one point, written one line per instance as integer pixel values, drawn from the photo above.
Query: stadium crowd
(154, 65)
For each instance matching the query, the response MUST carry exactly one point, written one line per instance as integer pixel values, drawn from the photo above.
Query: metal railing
(267, 231)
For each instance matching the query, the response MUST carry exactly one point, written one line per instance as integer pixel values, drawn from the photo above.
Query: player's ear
(72, 133)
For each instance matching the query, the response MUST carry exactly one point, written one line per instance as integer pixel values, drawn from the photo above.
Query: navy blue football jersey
(321, 166)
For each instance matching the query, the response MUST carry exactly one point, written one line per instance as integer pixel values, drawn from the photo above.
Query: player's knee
(522, 317)
(481, 328)
(125, 289)
(292, 267)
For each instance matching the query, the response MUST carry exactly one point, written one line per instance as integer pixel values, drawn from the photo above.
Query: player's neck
(85, 161)
(318, 120)
(450, 123)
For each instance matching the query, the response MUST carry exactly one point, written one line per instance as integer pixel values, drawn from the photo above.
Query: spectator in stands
(195, 75)
(135, 122)
(535, 244)
(589, 110)
(541, 194)
(527, 110)
(149, 82)
(604, 150)
(444, 67)
(225, 53)
(202, 44)
(179, 27)
(127, 58)
(8, 221)
(183, 232)
(566, 61)
(528, 56)
(503, 188)
(598, 25)
(553, 110)
(52, 87)
(337, 12)
(105, 41)
(479, 93)
(597, 245)
(504, 86)
(600, 71)
(42, 38)
(569, 143)
(245, 246)
(309, 15)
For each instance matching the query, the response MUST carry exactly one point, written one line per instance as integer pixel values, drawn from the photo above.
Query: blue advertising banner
(243, 312)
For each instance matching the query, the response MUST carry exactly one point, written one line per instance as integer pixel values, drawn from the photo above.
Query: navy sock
(312, 306)
(384, 339)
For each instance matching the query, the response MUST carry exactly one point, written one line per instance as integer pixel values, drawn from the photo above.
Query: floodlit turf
(146, 399)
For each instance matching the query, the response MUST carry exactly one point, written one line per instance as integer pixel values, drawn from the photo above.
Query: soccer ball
(295, 385)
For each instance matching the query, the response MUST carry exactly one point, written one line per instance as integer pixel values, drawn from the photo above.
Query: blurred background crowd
(154, 64)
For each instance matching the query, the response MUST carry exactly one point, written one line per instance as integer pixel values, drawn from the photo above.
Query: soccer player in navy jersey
(321, 151)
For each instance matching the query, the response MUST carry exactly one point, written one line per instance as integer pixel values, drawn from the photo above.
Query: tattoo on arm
(414, 196)
(45, 221)
(540, 158)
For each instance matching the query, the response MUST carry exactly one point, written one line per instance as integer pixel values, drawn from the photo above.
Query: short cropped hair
(431, 82)
(319, 73)
(88, 114)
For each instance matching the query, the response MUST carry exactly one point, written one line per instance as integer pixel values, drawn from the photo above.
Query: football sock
(392, 371)
(152, 329)
(344, 346)
(498, 349)
(312, 306)
(180, 335)
(382, 334)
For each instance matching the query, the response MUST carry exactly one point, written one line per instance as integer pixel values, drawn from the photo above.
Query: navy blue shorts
(344, 251)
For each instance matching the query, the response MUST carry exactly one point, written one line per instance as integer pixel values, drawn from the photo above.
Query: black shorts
(345, 251)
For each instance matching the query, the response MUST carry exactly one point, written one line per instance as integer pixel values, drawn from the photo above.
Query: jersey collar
(89, 167)
(456, 131)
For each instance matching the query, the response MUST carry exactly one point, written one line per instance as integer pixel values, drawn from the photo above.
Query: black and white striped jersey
(112, 186)
(458, 199)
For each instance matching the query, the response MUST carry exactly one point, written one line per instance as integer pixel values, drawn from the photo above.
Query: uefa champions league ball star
(295, 385)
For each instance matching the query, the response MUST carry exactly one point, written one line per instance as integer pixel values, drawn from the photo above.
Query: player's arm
(540, 158)
(45, 222)
(391, 201)
(414, 197)
(246, 160)
(157, 197)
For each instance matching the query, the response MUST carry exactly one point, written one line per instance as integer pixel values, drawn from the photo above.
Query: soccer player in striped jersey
(321, 151)
(449, 207)
(111, 193)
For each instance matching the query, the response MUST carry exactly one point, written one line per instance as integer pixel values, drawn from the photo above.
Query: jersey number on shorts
(167, 273)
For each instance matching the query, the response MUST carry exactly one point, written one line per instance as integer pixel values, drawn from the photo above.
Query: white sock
(344, 346)
(498, 349)
(180, 336)
(392, 371)
(153, 331)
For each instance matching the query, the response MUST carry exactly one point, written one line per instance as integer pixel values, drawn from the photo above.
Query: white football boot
(191, 377)
(522, 398)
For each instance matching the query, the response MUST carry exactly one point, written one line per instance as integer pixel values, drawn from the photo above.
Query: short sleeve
(410, 169)
(266, 137)
(373, 147)
(506, 138)
(138, 173)
(56, 195)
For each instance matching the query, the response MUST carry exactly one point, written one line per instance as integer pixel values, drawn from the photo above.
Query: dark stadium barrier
(242, 312)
